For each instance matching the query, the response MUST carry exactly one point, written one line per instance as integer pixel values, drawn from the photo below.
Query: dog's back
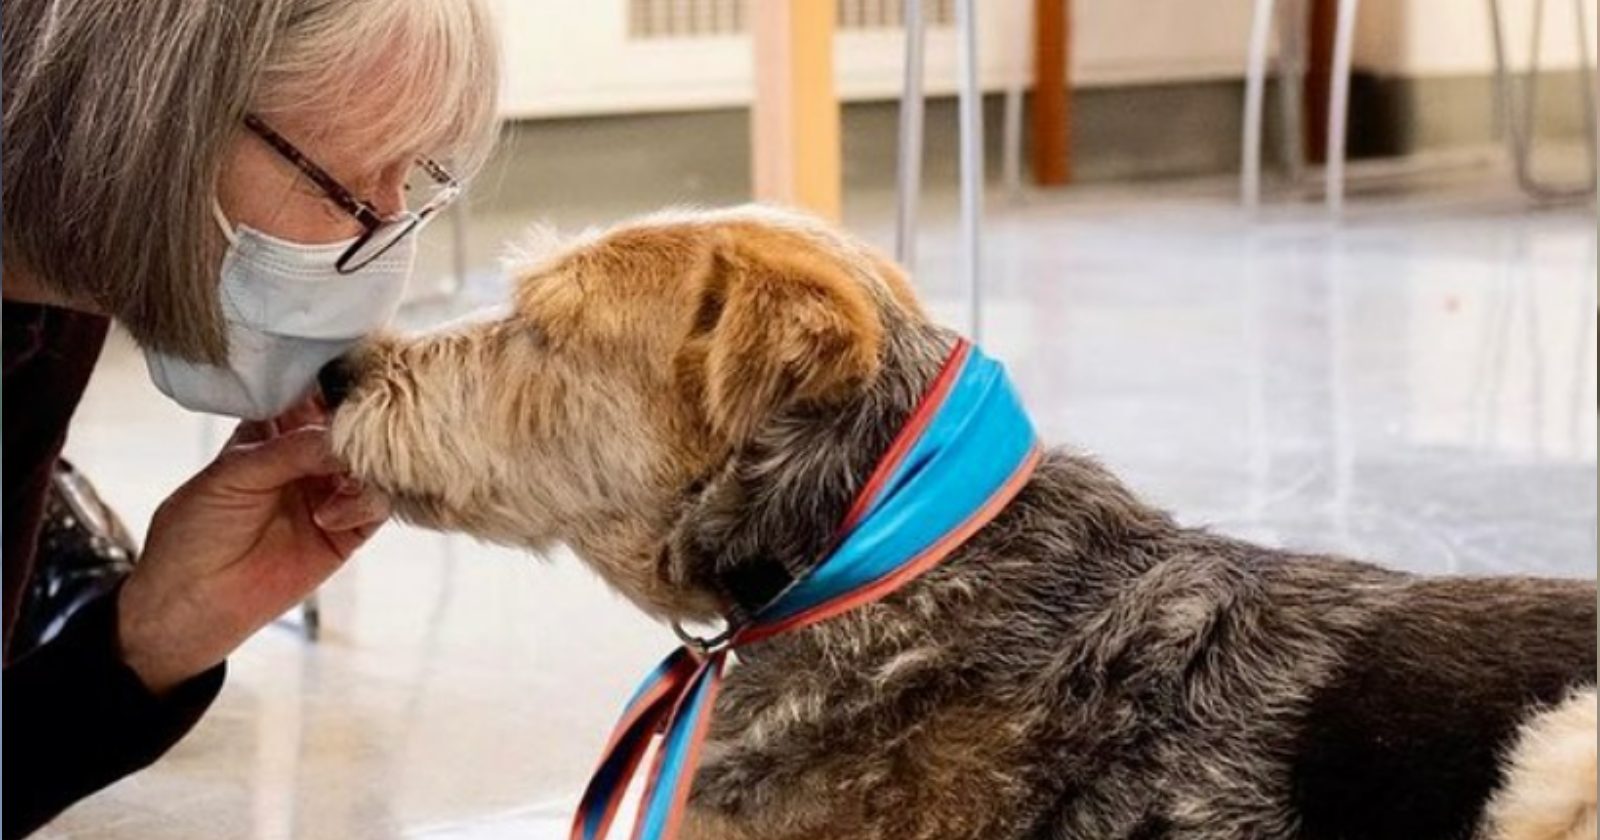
(1086, 668)
(1280, 694)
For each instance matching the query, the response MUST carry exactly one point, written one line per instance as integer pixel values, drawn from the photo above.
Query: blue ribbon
(973, 451)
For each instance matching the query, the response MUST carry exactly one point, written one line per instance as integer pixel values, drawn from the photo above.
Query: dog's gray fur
(1084, 667)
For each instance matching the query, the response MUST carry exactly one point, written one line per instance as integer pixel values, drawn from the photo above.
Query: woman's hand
(248, 537)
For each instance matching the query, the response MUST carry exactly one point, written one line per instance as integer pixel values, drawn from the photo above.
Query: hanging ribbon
(961, 457)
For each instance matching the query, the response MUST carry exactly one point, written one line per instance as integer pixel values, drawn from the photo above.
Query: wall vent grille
(680, 19)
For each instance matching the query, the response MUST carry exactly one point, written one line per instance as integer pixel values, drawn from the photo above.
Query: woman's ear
(780, 320)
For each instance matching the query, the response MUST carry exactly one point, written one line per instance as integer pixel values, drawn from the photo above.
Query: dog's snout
(336, 378)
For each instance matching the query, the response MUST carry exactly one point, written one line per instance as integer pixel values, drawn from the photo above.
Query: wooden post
(795, 119)
(1052, 114)
(1319, 78)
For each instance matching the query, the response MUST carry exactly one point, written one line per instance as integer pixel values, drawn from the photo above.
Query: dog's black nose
(336, 379)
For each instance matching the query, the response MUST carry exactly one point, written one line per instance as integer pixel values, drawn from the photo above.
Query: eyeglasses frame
(364, 212)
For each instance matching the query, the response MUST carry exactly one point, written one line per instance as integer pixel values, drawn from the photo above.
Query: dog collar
(966, 451)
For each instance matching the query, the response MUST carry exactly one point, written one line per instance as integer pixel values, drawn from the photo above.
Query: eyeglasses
(380, 232)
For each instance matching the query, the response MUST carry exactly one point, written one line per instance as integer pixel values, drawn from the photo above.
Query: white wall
(1452, 37)
(575, 58)
(566, 57)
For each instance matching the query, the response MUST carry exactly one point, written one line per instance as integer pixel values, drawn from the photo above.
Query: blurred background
(1393, 359)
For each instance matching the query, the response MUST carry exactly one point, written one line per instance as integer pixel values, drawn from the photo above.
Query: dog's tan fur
(622, 392)
(1549, 792)
(677, 395)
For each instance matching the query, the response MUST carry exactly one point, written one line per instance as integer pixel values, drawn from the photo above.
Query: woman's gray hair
(119, 114)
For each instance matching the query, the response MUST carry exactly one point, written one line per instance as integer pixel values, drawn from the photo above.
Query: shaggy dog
(682, 395)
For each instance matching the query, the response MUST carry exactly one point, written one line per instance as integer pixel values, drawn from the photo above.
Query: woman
(238, 184)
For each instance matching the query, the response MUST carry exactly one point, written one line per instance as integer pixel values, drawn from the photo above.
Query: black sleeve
(76, 718)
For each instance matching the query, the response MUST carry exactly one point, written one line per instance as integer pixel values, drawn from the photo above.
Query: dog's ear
(780, 320)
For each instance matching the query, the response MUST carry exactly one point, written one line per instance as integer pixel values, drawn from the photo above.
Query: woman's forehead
(345, 146)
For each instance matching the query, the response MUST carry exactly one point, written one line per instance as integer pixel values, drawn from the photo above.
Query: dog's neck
(779, 500)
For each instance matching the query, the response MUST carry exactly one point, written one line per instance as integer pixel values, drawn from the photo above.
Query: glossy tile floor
(1415, 385)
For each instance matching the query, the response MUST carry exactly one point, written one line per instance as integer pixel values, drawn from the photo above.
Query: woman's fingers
(276, 462)
(352, 509)
(308, 412)
(345, 543)
(236, 545)
(349, 518)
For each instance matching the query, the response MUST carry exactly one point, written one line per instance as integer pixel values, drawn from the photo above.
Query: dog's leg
(1548, 791)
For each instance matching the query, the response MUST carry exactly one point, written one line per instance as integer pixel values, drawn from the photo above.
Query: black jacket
(76, 718)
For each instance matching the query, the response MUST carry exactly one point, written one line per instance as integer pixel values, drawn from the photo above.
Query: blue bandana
(966, 451)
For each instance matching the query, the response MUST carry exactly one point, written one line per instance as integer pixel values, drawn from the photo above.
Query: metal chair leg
(971, 109)
(1339, 102)
(459, 223)
(1291, 76)
(1011, 142)
(1517, 107)
(311, 616)
(909, 181)
(1255, 89)
(1594, 115)
(1011, 138)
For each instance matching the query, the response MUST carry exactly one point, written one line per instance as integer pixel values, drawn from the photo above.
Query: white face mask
(288, 313)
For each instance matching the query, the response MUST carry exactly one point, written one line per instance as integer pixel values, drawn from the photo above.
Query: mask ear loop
(223, 223)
